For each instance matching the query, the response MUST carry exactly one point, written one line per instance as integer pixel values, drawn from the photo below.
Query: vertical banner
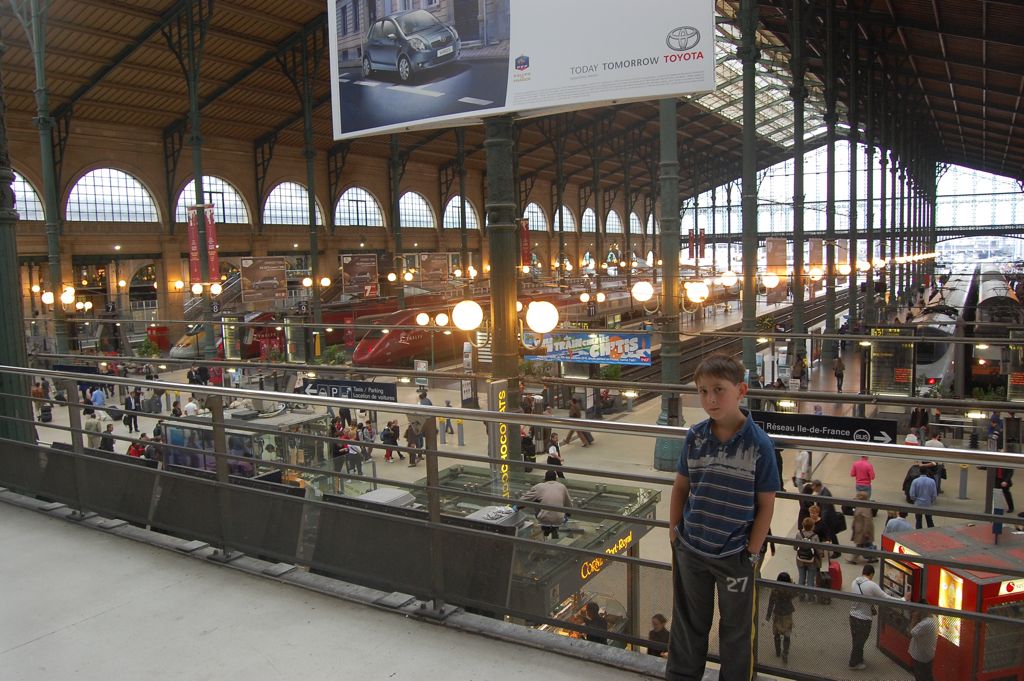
(498, 438)
(194, 271)
(775, 258)
(814, 259)
(525, 253)
(843, 256)
(703, 243)
(692, 246)
(212, 254)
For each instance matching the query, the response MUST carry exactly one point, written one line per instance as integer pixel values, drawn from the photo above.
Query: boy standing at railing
(722, 503)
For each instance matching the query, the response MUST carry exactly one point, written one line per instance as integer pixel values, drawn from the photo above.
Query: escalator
(232, 291)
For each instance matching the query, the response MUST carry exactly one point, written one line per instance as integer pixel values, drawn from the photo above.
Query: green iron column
(749, 55)
(893, 226)
(798, 92)
(883, 160)
(34, 23)
(870, 313)
(12, 343)
(396, 169)
(186, 38)
(853, 140)
(827, 348)
(502, 236)
(666, 452)
(460, 158)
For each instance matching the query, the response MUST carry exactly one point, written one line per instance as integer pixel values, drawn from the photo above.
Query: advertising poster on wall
(457, 61)
(212, 254)
(433, 266)
(358, 270)
(633, 349)
(264, 279)
(775, 258)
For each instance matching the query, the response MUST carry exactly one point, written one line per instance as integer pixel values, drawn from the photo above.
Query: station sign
(880, 431)
(353, 390)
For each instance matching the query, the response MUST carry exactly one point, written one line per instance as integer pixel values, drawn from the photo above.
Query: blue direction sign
(354, 390)
(879, 431)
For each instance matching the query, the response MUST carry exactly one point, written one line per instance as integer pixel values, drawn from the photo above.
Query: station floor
(610, 453)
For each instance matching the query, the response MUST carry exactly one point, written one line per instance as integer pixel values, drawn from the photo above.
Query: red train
(391, 347)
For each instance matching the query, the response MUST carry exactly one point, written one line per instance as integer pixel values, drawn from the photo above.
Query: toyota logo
(682, 39)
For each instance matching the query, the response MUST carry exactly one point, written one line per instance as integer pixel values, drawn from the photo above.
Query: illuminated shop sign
(590, 568)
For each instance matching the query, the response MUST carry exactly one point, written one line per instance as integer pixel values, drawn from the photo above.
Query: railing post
(215, 404)
(77, 447)
(436, 554)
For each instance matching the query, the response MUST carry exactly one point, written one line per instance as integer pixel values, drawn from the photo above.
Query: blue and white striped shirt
(725, 478)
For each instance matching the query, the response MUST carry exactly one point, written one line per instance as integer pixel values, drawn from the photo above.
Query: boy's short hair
(720, 365)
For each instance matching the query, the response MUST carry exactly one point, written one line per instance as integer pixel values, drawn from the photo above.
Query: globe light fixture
(698, 292)
(457, 273)
(121, 283)
(216, 289)
(47, 297)
(863, 265)
(729, 278)
(441, 319)
(815, 273)
(197, 289)
(407, 276)
(541, 316)
(179, 285)
(584, 297)
(879, 263)
(307, 282)
(519, 306)
(770, 280)
(467, 315)
(35, 288)
(68, 296)
(422, 319)
(525, 269)
(600, 297)
(845, 269)
(87, 306)
(568, 266)
(472, 272)
(79, 305)
(643, 291)
(325, 282)
(392, 277)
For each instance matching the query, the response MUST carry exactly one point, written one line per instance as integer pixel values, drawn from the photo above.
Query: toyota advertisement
(459, 61)
(264, 279)
(358, 270)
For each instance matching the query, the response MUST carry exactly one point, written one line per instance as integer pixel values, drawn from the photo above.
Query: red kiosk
(966, 649)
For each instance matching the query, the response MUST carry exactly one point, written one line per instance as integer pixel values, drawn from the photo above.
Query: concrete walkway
(79, 604)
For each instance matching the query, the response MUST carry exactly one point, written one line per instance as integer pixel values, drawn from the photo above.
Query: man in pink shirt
(863, 473)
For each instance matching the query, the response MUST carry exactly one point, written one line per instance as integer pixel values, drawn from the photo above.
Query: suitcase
(835, 573)
(46, 413)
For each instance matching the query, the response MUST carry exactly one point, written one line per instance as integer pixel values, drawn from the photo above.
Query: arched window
(652, 224)
(589, 221)
(613, 225)
(26, 200)
(564, 214)
(635, 226)
(228, 206)
(288, 204)
(358, 208)
(415, 212)
(538, 221)
(110, 195)
(453, 214)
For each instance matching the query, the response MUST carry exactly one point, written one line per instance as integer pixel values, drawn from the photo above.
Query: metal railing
(212, 491)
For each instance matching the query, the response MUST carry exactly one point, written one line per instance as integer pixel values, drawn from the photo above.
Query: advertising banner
(194, 271)
(525, 252)
(433, 266)
(775, 258)
(815, 259)
(264, 279)
(596, 348)
(456, 62)
(212, 254)
(358, 270)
